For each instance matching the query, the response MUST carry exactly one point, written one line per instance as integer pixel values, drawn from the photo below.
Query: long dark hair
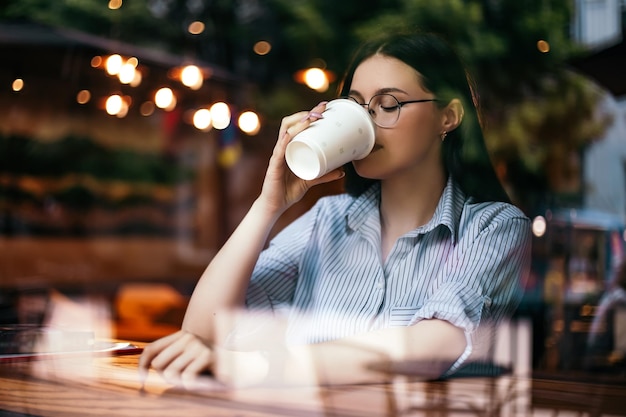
(464, 153)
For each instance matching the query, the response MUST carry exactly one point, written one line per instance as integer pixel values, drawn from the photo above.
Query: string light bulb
(220, 115)
(249, 122)
(17, 84)
(113, 64)
(202, 119)
(164, 99)
(191, 76)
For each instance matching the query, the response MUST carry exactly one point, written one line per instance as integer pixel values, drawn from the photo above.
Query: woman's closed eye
(390, 108)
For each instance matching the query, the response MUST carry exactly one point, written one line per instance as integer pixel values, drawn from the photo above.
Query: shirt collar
(363, 207)
(447, 213)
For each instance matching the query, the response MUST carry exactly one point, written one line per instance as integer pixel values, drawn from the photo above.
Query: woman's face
(413, 145)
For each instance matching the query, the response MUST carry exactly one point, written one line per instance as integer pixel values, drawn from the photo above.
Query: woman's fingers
(154, 350)
(296, 123)
(333, 175)
(177, 357)
(200, 363)
(288, 123)
(193, 360)
(169, 353)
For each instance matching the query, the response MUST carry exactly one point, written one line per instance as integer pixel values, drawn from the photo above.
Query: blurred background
(134, 135)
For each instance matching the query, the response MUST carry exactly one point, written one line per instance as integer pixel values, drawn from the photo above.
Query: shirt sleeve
(481, 283)
(275, 275)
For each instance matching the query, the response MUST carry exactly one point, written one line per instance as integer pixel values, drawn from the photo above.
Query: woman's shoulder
(472, 208)
(499, 222)
(499, 209)
(487, 214)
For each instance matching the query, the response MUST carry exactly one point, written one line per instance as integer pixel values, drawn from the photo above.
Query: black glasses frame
(402, 103)
(399, 105)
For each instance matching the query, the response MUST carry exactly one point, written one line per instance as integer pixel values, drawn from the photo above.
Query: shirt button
(487, 302)
(380, 286)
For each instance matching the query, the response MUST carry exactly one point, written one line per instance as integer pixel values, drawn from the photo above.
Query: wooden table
(591, 394)
(109, 386)
(79, 385)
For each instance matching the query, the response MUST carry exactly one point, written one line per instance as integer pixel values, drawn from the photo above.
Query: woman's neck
(407, 203)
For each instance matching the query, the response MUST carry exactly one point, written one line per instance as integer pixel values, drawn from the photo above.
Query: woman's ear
(452, 115)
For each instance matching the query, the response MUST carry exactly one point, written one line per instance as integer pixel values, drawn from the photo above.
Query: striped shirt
(325, 269)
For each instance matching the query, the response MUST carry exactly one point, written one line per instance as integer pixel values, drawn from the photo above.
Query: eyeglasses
(384, 109)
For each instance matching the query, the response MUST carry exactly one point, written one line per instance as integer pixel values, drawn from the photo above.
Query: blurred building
(599, 26)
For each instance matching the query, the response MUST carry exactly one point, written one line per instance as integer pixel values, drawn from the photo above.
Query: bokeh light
(220, 115)
(136, 79)
(262, 48)
(146, 108)
(539, 226)
(164, 99)
(123, 110)
(249, 122)
(127, 73)
(83, 97)
(543, 46)
(196, 28)
(117, 105)
(114, 64)
(18, 84)
(115, 4)
(191, 76)
(114, 104)
(133, 61)
(96, 61)
(202, 119)
(230, 155)
(316, 79)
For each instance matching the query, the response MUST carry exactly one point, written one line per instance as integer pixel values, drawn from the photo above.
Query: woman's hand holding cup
(281, 188)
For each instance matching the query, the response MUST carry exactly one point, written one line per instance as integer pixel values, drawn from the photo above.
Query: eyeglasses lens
(384, 109)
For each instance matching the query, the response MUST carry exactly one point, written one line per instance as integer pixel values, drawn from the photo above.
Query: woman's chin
(367, 168)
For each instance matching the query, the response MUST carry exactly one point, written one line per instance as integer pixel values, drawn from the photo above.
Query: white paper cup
(344, 134)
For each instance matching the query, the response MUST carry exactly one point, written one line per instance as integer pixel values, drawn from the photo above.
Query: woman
(424, 242)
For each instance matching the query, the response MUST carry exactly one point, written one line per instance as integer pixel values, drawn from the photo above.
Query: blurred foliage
(536, 113)
(74, 186)
(80, 155)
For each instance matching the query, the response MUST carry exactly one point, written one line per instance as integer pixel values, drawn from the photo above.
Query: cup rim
(321, 158)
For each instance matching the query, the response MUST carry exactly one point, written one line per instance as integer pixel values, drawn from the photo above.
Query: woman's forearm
(223, 284)
(426, 349)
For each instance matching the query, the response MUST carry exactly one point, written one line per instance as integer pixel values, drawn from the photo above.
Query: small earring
(443, 135)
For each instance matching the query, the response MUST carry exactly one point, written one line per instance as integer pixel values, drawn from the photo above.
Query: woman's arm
(180, 357)
(426, 349)
(223, 284)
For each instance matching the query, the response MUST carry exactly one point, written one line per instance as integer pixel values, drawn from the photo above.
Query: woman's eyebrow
(354, 93)
(385, 90)
(390, 90)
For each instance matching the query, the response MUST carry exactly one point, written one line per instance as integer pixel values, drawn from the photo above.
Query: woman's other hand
(180, 358)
